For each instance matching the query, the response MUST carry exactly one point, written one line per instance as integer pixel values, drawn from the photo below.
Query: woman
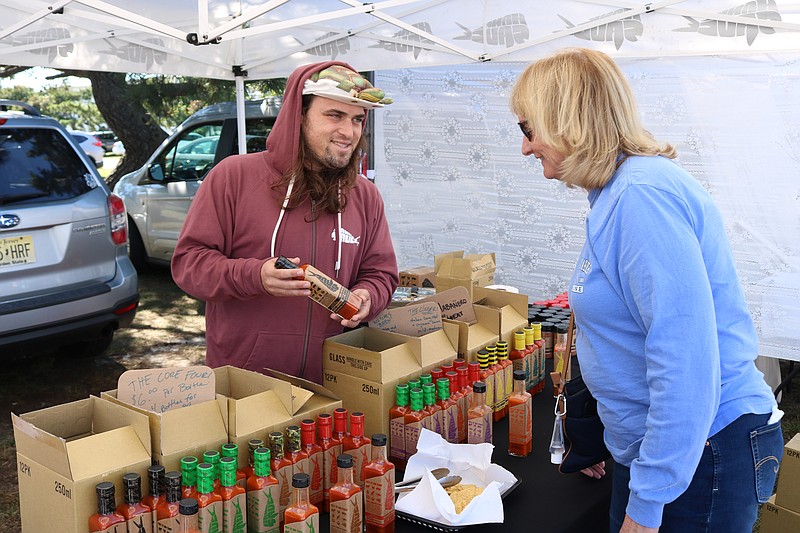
(665, 340)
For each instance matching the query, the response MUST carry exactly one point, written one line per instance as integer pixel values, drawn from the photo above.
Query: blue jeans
(736, 472)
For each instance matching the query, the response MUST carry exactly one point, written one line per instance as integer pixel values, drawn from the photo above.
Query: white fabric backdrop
(449, 166)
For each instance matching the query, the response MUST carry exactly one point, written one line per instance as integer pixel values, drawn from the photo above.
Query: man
(303, 199)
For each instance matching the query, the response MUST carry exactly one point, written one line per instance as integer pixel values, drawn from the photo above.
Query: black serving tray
(438, 526)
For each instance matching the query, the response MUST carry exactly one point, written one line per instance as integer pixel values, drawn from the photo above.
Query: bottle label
(119, 527)
(142, 523)
(379, 494)
(361, 456)
(463, 417)
(489, 380)
(346, 514)
(480, 428)
(412, 436)
(451, 424)
(234, 514)
(520, 424)
(329, 469)
(523, 364)
(210, 518)
(508, 373)
(284, 477)
(499, 390)
(262, 510)
(325, 290)
(315, 473)
(398, 442)
(168, 525)
(309, 525)
(300, 466)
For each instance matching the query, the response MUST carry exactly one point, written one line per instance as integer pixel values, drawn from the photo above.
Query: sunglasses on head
(526, 131)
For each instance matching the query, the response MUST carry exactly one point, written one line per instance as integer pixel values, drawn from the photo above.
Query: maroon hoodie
(226, 238)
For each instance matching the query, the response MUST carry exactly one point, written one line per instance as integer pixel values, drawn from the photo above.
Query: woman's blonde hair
(578, 102)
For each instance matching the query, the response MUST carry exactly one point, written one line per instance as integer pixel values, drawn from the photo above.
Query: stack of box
(422, 276)
(456, 269)
(782, 513)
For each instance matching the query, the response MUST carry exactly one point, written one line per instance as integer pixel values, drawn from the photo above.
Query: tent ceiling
(266, 39)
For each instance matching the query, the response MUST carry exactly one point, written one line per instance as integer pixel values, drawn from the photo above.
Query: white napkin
(473, 462)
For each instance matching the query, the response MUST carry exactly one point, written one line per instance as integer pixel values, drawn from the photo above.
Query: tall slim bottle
(107, 519)
(209, 502)
(432, 413)
(232, 450)
(252, 444)
(561, 353)
(379, 489)
(301, 516)
(542, 355)
(520, 357)
(461, 405)
(137, 515)
(281, 468)
(533, 363)
(357, 445)
(397, 424)
(480, 416)
(234, 498)
(330, 451)
(347, 509)
(294, 451)
(167, 510)
(308, 443)
(212, 457)
(189, 477)
(263, 495)
(340, 424)
(487, 376)
(188, 511)
(155, 476)
(450, 410)
(414, 421)
(520, 422)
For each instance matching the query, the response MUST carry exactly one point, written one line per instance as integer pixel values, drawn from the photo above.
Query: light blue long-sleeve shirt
(665, 341)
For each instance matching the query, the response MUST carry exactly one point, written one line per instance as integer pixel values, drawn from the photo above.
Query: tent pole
(240, 124)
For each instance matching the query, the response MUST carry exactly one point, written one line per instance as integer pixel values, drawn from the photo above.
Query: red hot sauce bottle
(168, 509)
(301, 516)
(520, 422)
(294, 451)
(107, 519)
(479, 427)
(282, 469)
(263, 495)
(379, 489)
(234, 498)
(137, 515)
(232, 450)
(346, 499)
(155, 475)
(209, 502)
(357, 445)
(330, 451)
(325, 290)
(397, 424)
(308, 444)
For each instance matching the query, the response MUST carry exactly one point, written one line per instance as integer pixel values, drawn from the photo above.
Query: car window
(39, 165)
(191, 155)
(256, 135)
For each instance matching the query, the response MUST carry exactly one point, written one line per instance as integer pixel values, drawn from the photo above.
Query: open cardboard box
(454, 269)
(777, 519)
(363, 367)
(513, 310)
(422, 276)
(64, 451)
(788, 494)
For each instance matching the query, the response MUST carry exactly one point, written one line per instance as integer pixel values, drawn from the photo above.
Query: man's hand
(597, 471)
(283, 281)
(629, 526)
(363, 309)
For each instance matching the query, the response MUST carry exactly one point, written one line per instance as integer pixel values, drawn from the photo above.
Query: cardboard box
(455, 269)
(423, 276)
(777, 519)
(788, 491)
(513, 310)
(363, 367)
(64, 451)
(473, 337)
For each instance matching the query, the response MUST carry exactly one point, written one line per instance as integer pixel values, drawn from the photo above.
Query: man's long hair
(321, 186)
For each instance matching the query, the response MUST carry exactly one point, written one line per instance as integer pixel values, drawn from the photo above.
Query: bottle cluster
(289, 478)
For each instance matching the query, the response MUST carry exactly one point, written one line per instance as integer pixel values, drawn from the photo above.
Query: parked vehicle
(65, 277)
(158, 195)
(107, 138)
(91, 145)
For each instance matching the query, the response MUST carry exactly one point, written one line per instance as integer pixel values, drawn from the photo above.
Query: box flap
(180, 428)
(256, 412)
(370, 354)
(304, 383)
(458, 265)
(109, 415)
(496, 298)
(238, 383)
(104, 452)
(435, 346)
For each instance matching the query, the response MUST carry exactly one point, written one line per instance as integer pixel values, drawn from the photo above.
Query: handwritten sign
(162, 389)
(412, 320)
(455, 304)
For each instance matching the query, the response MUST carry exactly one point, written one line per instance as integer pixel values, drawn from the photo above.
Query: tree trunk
(140, 134)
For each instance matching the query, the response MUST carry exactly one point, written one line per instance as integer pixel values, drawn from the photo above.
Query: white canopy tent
(449, 63)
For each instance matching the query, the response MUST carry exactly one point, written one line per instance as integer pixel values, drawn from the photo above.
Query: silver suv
(65, 277)
(158, 195)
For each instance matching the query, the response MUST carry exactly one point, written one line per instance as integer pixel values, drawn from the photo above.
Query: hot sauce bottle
(461, 406)
(232, 450)
(330, 450)
(212, 457)
(487, 376)
(294, 452)
(540, 347)
(397, 425)
(379, 489)
(308, 444)
(414, 421)
(234, 498)
(252, 444)
(188, 509)
(167, 510)
(520, 358)
(325, 290)
(189, 477)
(155, 476)
(480, 416)
(263, 495)
(340, 424)
(346, 499)
(508, 373)
(432, 413)
(533, 363)
(209, 502)
(282, 469)
(450, 410)
(561, 352)
(301, 516)
(473, 375)
(106, 518)
(357, 445)
(137, 515)
(499, 383)
(520, 422)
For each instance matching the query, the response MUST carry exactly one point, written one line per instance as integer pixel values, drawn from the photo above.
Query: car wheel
(136, 250)
(88, 349)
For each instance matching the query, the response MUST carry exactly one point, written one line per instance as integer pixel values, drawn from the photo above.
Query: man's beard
(327, 161)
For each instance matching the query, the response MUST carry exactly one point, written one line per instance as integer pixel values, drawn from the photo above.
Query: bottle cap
(230, 450)
(301, 481)
(479, 387)
(188, 506)
(131, 479)
(105, 488)
(519, 375)
(227, 464)
(344, 460)
(378, 439)
(262, 454)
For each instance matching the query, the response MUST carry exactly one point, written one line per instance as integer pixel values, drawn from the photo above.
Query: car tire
(136, 250)
(88, 349)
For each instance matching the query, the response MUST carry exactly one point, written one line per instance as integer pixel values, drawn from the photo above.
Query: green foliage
(74, 108)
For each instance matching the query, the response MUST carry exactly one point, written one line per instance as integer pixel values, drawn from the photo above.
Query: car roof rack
(26, 108)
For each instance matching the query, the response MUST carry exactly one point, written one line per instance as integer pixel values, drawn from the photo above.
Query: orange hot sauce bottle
(281, 468)
(301, 516)
(397, 425)
(346, 499)
(232, 450)
(168, 509)
(330, 450)
(212, 457)
(325, 290)
(357, 445)
(450, 410)
(487, 376)
(340, 424)
(263, 495)
(533, 364)
(188, 477)
(480, 416)
(414, 421)
(461, 406)
(106, 515)
(308, 444)
(540, 347)
(294, 451)
(431, 413)
(209, 502)
(379, 489)
(252, 444)
(137, 515)
(188, 511)
(155, 477)
(473, 375)
(520, 422)
(520, 357)
(234, 497)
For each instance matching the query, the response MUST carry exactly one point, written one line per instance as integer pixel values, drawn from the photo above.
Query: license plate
(17, 251)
